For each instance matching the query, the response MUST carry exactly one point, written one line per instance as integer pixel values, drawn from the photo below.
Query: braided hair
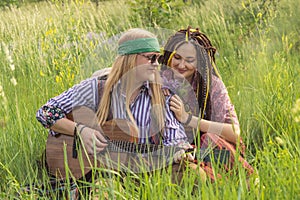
(205, 63)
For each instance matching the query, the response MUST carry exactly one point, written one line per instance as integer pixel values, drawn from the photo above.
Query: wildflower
(6, 51)
(259, 15)
(2, 94)
(279, 140)
(256, 181)
(3, 98)
(13, 81)
(12, 67)
(58, 79)
(90, 35)
(297, 119)
(42, 73)
(8, 56)
(50, 32)
(270, 142)
(296, 111)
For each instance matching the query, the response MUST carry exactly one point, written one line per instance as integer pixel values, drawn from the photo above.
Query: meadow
(47, 47)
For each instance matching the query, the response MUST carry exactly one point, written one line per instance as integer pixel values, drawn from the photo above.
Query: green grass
(258, 48)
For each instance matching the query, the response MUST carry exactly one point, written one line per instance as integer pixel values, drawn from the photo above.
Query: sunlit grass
(44, 50)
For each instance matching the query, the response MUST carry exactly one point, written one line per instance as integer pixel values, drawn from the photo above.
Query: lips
(181, 71)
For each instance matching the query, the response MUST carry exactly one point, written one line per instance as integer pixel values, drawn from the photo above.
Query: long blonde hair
(121, 66)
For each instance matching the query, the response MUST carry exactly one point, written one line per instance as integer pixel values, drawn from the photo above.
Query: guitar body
(59, 157)
(59, 151)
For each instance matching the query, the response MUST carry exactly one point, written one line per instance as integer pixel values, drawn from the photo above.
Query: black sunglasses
(152, 57)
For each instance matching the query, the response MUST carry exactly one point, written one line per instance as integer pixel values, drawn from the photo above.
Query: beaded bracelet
(188, 119)
(83, 126)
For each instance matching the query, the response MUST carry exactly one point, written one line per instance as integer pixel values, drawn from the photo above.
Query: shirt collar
(144, 87)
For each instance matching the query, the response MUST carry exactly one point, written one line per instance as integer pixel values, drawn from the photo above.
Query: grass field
(47, 47)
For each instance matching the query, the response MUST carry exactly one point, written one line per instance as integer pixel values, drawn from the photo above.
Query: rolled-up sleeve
(83, 94)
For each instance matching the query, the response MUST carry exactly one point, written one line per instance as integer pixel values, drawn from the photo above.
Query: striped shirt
(86, 94)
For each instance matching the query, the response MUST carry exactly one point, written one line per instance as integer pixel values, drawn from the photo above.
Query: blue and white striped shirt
(86, 94)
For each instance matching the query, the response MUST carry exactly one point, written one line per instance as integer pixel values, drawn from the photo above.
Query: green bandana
(140, 45)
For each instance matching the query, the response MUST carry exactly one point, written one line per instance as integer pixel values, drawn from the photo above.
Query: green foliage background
(47, 46)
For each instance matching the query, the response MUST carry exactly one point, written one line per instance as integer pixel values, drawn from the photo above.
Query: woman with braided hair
(189, 54)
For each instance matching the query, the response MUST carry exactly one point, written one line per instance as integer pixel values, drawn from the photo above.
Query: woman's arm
(64, 126)
(53, 114)
(227, 131)
(83, 94)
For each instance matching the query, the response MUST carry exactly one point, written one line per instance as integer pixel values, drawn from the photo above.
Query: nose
(155, 63)
(181, 64)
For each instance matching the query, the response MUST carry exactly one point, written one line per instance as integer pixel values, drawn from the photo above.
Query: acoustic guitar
(122, 153)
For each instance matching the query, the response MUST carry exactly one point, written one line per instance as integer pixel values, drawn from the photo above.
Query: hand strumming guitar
(92, 139)
(183, 154)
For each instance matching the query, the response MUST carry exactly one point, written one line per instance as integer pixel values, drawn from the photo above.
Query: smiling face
(184, 60)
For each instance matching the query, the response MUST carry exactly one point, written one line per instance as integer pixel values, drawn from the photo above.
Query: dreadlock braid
(205, 63)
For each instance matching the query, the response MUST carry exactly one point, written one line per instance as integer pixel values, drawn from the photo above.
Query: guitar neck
(130, 147)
